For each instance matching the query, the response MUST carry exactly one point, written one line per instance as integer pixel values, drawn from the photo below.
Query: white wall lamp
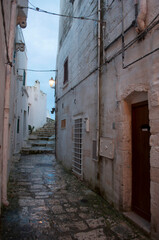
(52, 82)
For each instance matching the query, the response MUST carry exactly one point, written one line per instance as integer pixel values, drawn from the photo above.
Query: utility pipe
(98, 79)
(123, 35)
(136, 11)
(141, 19)
(7, 105)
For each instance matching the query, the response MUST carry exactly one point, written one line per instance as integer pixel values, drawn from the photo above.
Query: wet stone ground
(47, 202)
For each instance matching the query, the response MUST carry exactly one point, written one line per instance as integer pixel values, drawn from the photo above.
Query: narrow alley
(48, 202)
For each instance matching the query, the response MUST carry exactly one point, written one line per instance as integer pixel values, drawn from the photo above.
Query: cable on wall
(152, 24)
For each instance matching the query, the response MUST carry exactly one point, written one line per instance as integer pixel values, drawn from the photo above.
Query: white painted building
(36, 106)
(10, 16)
(19, 99)
(107, 102)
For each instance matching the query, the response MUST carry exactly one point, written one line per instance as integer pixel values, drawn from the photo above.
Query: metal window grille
(77, 147)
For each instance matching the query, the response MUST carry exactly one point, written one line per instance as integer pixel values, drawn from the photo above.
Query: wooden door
(141, 160)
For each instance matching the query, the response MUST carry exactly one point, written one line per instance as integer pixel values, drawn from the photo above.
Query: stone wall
(78, 97)
(37, 106)
(120, 87)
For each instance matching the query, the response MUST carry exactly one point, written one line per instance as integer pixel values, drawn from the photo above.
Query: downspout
(136, 11)
(56, 109)
(7, 105)
(141, 19)
(98, 79)
(123, 36)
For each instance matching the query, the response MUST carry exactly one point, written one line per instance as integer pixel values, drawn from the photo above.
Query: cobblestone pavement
(47, 202)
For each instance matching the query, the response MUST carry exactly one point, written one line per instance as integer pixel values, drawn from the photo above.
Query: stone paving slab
(48, 202)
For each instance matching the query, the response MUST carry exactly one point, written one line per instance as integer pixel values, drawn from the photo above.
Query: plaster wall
(8, 22)
(3, 60)
(37, 106)
(21, 95)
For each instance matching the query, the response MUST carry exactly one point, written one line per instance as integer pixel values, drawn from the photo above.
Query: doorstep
(141, 222)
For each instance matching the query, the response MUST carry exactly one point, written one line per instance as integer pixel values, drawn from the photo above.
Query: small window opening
(65, 71)
(18, 125)
(63, 123)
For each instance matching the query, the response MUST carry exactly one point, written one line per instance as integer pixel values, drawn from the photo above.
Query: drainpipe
(123, 37)
(98, 80)
(141, 19)
(7, 105)
(136, 11)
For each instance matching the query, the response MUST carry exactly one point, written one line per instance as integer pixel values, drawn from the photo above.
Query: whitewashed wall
(37, 106)
(19, 96)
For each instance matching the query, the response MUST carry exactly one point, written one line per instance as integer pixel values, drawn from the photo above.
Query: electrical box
(107, 148)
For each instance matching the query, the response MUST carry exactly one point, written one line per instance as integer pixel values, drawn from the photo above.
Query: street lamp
(52, 82)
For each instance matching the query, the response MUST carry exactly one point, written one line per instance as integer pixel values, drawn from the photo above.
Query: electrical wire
(109, 6)
(31, 4)
(5, 34)
(137, 60)
(60, 15)
(92, 14)
(85, 16)
(128, 45)
(35, 70)
(93, 71)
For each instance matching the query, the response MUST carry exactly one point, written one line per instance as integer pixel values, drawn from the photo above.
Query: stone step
(45, 130)
(51, 145)
(37, 150)
(41, 141)
(38, 138)
(44, 135)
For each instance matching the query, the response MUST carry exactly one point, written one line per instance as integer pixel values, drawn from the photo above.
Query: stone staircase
(41, 141)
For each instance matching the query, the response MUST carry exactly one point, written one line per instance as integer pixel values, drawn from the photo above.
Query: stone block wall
(119, 89)
(78, 96)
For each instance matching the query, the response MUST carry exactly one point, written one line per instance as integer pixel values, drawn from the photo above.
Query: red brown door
(140, 160)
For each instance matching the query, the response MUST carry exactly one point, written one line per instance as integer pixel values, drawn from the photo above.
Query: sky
(41, 38)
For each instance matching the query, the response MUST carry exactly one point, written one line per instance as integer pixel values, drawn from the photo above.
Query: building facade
(36, 106)
(19, 99)
(107, 102)
(11, 15)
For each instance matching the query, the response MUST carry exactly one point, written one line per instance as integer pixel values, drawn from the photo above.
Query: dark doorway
(141, 160)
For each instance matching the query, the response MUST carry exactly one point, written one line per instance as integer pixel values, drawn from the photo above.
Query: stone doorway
(141, 160)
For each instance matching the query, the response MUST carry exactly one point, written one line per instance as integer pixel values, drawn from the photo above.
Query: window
(24, 78)
(65, 71)
(18, 124)
(77, 147)
(63, 123)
